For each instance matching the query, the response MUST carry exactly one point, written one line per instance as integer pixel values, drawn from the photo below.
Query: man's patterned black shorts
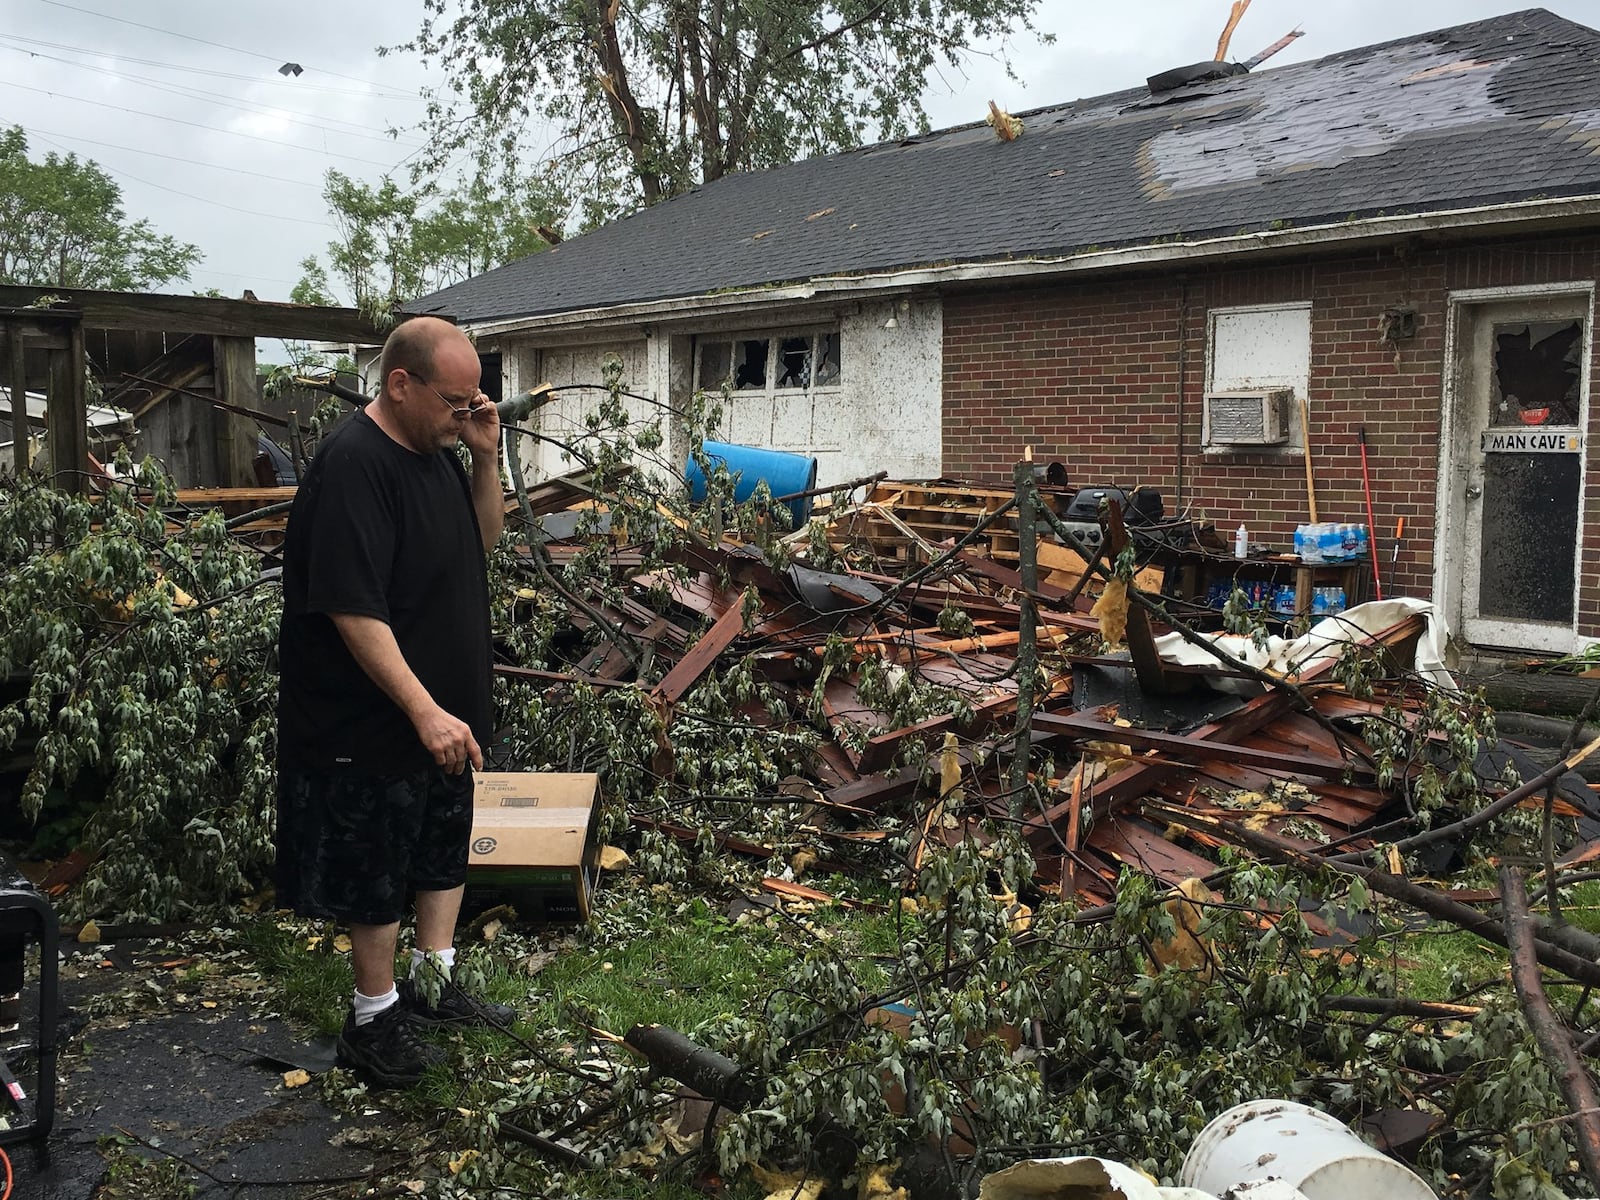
(352, 847)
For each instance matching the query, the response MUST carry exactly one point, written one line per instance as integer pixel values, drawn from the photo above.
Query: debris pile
(1004, 731)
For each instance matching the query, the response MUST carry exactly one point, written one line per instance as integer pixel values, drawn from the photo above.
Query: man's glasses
(457, 410)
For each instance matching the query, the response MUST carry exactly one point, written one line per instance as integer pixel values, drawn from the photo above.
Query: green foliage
(134, 1173)
(146, 653)
(395, 244)
(651, 99)
(62, 224)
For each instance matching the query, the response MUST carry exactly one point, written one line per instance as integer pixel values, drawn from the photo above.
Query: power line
(288, 115)
(202, 41)
(194, 162)
(298, 84)
(194, 124)
(249, 212)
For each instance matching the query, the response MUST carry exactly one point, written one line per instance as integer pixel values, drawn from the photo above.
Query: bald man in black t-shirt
(384, 694)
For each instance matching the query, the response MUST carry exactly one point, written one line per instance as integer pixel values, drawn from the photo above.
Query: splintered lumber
(700, 659)
(1571, 1072)
(1080, 726)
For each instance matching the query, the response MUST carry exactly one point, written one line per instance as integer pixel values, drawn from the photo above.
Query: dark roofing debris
(1481, 114)
(1154, 782)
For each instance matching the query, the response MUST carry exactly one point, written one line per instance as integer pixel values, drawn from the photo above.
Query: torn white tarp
(1325, 640)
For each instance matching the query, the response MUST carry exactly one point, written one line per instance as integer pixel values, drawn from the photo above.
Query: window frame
(774, 339)
(1300, 384)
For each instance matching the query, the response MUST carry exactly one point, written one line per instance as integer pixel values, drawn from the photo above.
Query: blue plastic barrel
(784, 474)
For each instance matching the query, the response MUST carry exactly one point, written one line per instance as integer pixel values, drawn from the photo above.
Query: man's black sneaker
(388, 1051)
(454, 1007)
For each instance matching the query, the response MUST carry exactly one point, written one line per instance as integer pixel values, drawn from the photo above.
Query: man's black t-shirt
(380, 531)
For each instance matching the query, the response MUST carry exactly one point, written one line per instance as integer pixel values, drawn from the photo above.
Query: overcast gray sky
(180, 100)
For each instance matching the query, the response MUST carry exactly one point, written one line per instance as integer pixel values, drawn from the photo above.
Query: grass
(1429, 958)
(658, 955)
(671, 956)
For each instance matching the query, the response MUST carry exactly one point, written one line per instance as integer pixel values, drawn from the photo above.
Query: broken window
(716, 365)
(750, 366)
(794, 363)
(799, 361)
(1536, 373)
(826, 371)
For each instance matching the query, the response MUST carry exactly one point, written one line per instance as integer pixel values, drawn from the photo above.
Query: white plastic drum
(1306, 1148)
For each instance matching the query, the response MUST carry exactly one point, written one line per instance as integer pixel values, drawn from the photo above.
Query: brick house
(1404, 237)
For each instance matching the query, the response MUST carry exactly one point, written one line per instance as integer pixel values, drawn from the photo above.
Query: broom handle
(1305, 433)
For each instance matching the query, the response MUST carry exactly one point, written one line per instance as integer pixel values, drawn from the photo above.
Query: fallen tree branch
(1572, 1075)
(1485, 814)
(1400, 1006)
(1275, 849)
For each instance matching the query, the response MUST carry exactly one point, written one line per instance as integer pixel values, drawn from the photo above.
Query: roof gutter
(1528, 216)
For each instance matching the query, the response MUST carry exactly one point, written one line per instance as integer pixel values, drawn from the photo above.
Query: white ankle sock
(446, 957)
(368, 1007)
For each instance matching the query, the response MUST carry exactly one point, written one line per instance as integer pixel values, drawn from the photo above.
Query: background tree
(395, 244)
(650, 98)
(62, 224)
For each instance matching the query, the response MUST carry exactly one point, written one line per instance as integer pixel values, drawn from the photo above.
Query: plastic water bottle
(1241, 542)
(1349, 542)
(1328, 541)
(1306, 545)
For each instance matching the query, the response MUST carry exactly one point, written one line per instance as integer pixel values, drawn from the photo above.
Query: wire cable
(249, 212)
(43, 134)
(299, 85)
(6, 1158)
(138, 112)
(292, 116)
(272, 58)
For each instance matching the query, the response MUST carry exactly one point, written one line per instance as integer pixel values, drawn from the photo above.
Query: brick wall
(1089, 373)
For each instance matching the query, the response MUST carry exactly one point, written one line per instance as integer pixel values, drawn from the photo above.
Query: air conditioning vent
(1247, 418)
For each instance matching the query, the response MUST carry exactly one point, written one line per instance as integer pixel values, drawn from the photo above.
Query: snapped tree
(649, 99)
(62, 224)
(395, 244)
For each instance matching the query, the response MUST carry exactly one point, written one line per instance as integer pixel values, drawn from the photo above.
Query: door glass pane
(1536, 371)
(794, 363)
(1530, 532)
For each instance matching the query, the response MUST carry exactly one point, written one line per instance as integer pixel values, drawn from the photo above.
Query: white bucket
(1309, 1149)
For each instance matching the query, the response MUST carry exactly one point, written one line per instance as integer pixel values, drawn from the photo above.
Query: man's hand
(481, 431)
(448, 739)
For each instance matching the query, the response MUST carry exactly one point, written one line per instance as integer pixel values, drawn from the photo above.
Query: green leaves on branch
(648, 100)
(62, 224)
(146, 655)
(395, 244)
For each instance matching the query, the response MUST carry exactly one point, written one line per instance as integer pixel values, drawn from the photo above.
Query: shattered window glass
(750, 365)
(798, 361)
(826, 372)
(794, 362)
(1536, 373)
(716, 364)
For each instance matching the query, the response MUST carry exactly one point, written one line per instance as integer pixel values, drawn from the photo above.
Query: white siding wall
(564, 420)
(884, 415)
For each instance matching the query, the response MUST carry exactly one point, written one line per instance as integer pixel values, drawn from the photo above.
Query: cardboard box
(533, 842)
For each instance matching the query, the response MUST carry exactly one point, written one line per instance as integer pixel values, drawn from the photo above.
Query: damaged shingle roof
(1487, 113)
